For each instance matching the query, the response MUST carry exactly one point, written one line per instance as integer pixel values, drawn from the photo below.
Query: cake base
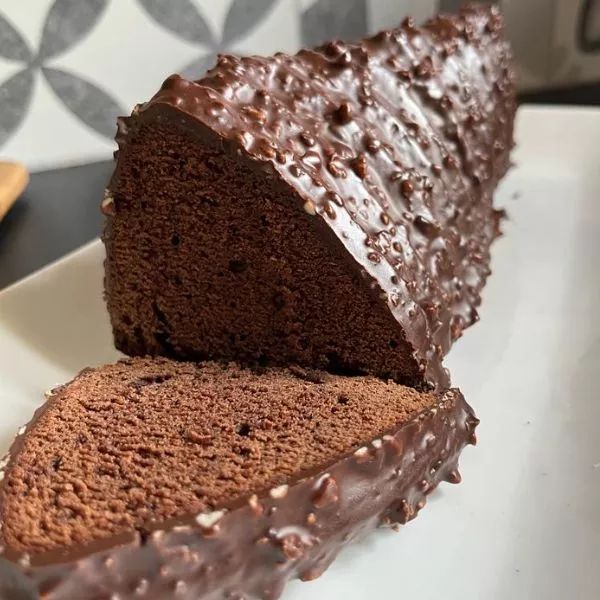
(244, 539)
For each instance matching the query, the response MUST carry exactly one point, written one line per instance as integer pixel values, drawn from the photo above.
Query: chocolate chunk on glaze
(136, 507)
(331, 209)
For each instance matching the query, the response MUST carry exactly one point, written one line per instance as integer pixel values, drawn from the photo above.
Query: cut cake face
(331, 209)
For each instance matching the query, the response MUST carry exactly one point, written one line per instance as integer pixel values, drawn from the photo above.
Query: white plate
(525, 523)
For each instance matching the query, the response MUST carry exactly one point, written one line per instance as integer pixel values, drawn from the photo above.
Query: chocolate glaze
(394, 144)
(251, 547)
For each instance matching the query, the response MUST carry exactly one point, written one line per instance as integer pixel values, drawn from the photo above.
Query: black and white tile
(69, 67)
(62, 86)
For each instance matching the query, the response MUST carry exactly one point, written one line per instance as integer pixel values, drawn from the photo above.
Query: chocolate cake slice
(331, 209)
(156, 479)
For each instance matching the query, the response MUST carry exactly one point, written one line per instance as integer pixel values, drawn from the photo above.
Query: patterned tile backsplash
(69, 67)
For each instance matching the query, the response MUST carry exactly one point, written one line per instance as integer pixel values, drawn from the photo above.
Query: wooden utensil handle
(13, 180)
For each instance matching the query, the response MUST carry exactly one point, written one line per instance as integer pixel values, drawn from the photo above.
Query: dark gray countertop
(59, 211)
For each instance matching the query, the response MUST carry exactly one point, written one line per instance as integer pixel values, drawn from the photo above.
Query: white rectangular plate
(525, 523)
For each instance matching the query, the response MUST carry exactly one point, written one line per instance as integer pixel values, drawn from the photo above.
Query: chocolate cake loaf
(155, 479)
(331, 209)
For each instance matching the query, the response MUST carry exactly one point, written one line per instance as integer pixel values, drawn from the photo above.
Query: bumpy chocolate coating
(396, 144)
(252, 547)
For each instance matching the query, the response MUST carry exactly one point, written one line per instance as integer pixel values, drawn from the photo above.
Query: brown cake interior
(211, 260)
(143, 441)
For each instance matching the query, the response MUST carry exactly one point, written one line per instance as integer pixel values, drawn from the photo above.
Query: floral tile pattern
(329, 19)
(183, 19)
(66, 23)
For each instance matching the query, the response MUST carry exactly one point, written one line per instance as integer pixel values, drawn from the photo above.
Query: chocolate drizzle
(413, 125)
(251, 547)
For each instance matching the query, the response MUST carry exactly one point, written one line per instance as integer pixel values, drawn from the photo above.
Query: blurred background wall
(69, 67)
